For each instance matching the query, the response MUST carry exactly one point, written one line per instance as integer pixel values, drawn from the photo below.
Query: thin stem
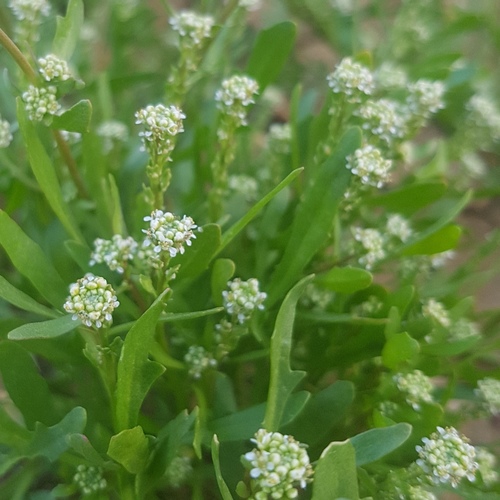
(18, 56)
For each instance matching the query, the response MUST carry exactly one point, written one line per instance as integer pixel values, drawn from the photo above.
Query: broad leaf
(44, 329)
(345, 279)
(400, 349)
(75, 119)
(68, 30)
(130, 448)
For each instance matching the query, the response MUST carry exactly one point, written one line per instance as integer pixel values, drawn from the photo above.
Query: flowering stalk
(18, 56)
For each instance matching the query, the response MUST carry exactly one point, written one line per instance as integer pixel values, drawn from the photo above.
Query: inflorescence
(243, 298)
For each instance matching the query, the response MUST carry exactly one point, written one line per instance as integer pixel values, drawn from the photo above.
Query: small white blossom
(368, 164)
(53, 68)
(92, 300)
(89, 479)
(436, 311)
(439, 260)
(369, 307)
(389, 76)
(383, 118)
(425, 97)
(351, 79)
(40, 102)
(29, 10)
(114, 253)
(243, 298)
(373, 242)
(416, 386)
(5, 134)
(112, 131)
(235, 95)
(399, 227)
(419, 493)
(488, 389)
(178, 471)
(193, 28)
(245, 185)
(250, 4)
(168, 233)
(198, 361)
(487, 466)
(447, 457)
(484, 114)
(316, 297)
(463, 329)
(161, 125)
(280, 137)
(278, 466)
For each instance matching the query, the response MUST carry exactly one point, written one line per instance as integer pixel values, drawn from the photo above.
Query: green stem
(18, 56)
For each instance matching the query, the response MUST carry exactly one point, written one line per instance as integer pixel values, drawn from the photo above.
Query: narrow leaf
(283, 379)
(44, 329)
(130, 448)
(224, 490)
(442, 240)
(75, 119)
(68, 30)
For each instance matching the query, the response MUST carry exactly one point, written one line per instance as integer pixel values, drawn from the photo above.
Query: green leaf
(400, 349)
(45, 174)
(75, 119)
(345, 279)
(224, 490)
(236, 228)
(130, 448)
(335, 473)
(79, 252)
(376, 443)
(447, 349)
(314, 215)
(19, 299)
(12, 434)
(222, 272)
(283, 380)
(68, 30)
(26, 387)
(52, 442)
(442, 240)
(81, 445)
(270, 52)
(29, 259)
(44, 329)
(136, 373)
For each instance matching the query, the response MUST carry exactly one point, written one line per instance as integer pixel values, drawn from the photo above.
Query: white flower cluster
(245, 185)
(368, 164)
(192, 27)
(29, 10)
(419, 493)
(89, 479)
(114, 252)
(416, 386)
(178, 471)
(278, 466)
(484, 114)
(372, 241)
(198, 360)
(249, 4)
(488, 390)
(440, 259)
(53, 68)
(398, 227)
(243, 298)
(112, 131)
(169, 233)
(389, 76)
(447, 457)
(368, 307)
(316, 297)
(92, 300)
(161, 125)
(5, 134)
(463, 329)
(280, 137)
(235, 95)
(436, 311)
(40, 102)
(351, 79)
(487, 465)
(383, 118)
(425, 97)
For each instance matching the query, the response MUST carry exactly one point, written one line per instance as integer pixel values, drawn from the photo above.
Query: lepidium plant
(227, 271)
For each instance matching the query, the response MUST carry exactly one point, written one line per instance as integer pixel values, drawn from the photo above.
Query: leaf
(45, 174)
(130, 448)
(29, 259)
(68, 30)
(44, 329)
(376, 443)
(447, 349)
(236, 228)
(224, 490)
(75, 119)
(399, 349)
(19, 299)
(52, 442)
(314, 215)
(283, 380)
(270, 52)
(136, 373)
(345, 279)
(335, 475)
(81, 445)
(26, 387)
(222, 272)
(79, 252)
(442, 240)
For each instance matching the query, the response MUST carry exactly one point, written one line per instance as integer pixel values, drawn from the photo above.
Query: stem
(18, 56)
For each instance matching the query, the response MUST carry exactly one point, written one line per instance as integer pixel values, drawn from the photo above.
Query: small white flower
(389, 76)
(89, 479)
(368, 164)
(112, 131)
(384, 118)
(425, 97)
(373, 243)
(178, 471)
(5, 134)
(463, 329)
(54, 69)
(243, 298)
(436, 311)
(351, 79)
(114, 253)
(235, 95)
(487, 466)
(245, 185)
(484, 114)
(29, 10)
(198, 361)
(488, 389)
(250, 4)
(416, 386)
(193, 28)
(399, 227)
(40, 102)
(280, 137)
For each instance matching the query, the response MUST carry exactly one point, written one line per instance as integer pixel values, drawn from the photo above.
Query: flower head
(54, 69)
(278, 465)
(368, 164)
(487, 465)
(243, 298)
(384, 118)
(351, 79)
(436, 311)
(169, 233)
(488, 390)
(372, 242)
(193, 28)
(5, 134)
(416, 386)
(40, 102)
(425, 97)
(89, 479)
(114, 253)
(198, 360)
(178, 471)
(399, 227)
(447, 457)
(92, 300)
(280, 137)
(235, 95)
(112, 131)
(29, 10)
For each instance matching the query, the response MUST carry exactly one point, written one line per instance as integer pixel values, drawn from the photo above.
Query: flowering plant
(228, 269)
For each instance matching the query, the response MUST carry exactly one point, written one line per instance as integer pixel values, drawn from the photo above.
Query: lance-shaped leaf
(223, 488)
(44, 329)
(68, 30)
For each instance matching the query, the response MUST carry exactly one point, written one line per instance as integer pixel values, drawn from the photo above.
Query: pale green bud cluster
(54, 69)
(488, 390)
(5, 134)
(178, 471)
(278, 466)
(316, 297)
(40, 102)
(351, 79)
(168, 233)
(115, 253)
(436, 311)
(447, 457)
(416, 386)
(193, 28)
(198, 360)
(369, 307)
(89, 479)
(92, 300)
(243, 298)
(487, 466)
(369, 166)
